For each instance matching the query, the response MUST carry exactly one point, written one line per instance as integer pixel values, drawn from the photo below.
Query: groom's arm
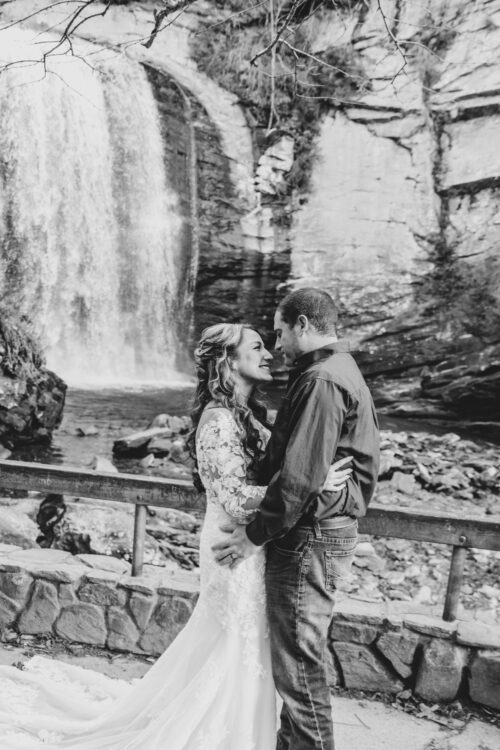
(316, 417)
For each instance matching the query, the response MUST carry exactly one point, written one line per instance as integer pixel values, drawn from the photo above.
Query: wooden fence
(141, 491)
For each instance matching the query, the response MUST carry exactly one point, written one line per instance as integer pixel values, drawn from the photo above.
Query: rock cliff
(31, 397)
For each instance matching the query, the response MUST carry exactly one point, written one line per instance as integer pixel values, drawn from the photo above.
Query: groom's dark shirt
(327, 414)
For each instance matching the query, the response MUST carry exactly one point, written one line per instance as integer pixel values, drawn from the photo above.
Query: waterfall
(89, 225)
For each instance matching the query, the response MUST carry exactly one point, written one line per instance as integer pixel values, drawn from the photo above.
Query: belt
(337, 522)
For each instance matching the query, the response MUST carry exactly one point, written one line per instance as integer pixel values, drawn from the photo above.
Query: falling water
(89, 226)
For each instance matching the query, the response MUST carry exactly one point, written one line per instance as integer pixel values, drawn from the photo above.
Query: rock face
(31, 397)
(400, 217)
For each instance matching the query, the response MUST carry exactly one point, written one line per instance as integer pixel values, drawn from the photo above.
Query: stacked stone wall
(387, 647)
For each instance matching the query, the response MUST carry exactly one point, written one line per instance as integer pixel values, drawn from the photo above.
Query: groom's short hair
(316, 304)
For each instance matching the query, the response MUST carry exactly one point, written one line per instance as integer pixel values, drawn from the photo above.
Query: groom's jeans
(302, 572)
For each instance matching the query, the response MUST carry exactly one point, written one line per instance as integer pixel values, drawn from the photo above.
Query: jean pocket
(338, 564)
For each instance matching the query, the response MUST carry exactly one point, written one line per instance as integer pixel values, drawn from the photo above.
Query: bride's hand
(337, 476)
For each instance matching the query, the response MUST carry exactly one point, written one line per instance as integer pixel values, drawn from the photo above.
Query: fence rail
(459, 533)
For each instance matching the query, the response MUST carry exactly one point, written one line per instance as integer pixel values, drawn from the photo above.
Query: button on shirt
(327, 414)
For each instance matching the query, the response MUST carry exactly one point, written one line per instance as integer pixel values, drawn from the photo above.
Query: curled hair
(213, 355)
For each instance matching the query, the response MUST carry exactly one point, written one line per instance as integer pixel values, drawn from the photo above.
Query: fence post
(455, 577)
(139, 538)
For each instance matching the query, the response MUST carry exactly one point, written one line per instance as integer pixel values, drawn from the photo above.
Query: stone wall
(388, 647)
(92, 599)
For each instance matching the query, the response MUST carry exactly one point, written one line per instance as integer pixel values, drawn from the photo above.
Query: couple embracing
(279, 533)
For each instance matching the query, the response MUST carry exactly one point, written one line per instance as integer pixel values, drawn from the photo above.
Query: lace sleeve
(222, 466)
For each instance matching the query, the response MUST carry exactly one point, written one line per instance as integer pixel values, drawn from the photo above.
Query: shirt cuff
(255, 534)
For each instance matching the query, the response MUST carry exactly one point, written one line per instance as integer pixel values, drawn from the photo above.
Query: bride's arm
(220, 451)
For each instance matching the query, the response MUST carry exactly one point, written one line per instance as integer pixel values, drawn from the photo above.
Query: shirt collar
(304, 361)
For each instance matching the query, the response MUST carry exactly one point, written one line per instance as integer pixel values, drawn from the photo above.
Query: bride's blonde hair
(213, 357)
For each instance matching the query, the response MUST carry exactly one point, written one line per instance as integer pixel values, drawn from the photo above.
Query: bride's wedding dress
(212, 689)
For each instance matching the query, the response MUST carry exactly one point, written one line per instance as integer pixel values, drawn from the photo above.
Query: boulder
(363, 671)
(8, 611)
(484, 681)
(101, 463)
(399, 649)
(17, 529)
(31, 397)
(141, 607)
(107, 529)
(42, 610)
(352, 632)
(100, 588)
(15, 584)
(478, 635)
(441, 670)
(122, 633)
(82, 623)
(169, 617)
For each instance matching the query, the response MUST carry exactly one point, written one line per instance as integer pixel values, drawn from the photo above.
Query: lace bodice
(236, 597)
(222, 464)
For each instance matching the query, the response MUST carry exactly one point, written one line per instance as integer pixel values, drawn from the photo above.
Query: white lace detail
(222, 464)
(236, 597)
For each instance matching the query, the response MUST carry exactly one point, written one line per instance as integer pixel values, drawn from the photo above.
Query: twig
(272, 103)
(303, 53)
(160, 15)
(395, 40)
(295, 4)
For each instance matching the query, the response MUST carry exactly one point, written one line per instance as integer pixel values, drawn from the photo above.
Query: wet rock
(88, 430)
(137, 443)
(31, 397)
(160, 438)
(440, 671)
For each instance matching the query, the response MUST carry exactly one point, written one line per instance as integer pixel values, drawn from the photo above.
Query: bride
(212, 689)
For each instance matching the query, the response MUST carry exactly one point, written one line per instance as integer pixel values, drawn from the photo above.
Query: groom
(327, 414)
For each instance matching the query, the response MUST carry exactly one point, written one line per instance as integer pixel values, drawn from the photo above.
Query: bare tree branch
(35, 13)
(395, 40)
(160, 15)
(277, 37)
